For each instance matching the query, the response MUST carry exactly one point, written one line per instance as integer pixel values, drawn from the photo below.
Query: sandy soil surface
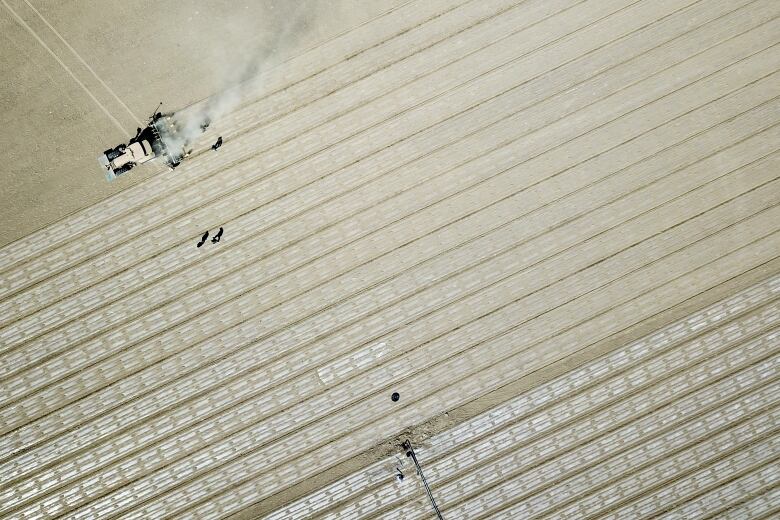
(457, 202)
(78, 77)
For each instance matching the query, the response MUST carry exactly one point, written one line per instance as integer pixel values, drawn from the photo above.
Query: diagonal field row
(626, 390)
(301, 69)
(160, 425)
(486, 245)
(684, 232)
(752, 495)
(172, 287)
(477, 192)
(529, 473)
(299, 164)
(623, 395)
(74, 466)
(139, 327)
(31, 459)
(158, 267)
(264, 465)
(188, 194)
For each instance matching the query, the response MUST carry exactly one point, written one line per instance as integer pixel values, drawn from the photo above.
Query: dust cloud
(240, 58)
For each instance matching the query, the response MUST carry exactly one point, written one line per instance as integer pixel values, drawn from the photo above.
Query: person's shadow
(214, 240)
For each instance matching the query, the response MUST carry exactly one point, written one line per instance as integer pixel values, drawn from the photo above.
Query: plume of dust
(179, 129)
